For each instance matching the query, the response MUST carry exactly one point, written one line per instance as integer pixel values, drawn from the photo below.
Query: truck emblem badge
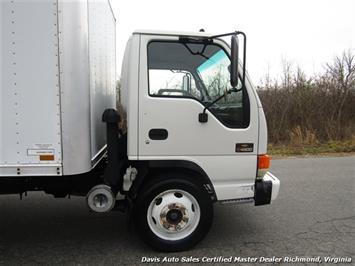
(244, 147)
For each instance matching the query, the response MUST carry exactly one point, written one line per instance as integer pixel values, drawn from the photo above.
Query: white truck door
(177, 79)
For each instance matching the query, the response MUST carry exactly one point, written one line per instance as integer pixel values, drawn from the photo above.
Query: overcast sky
(307, 33)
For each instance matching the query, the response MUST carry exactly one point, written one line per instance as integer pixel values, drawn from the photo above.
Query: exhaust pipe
(111, 176)
(116, 151)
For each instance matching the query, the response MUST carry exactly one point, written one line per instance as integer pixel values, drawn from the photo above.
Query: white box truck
(192, 131)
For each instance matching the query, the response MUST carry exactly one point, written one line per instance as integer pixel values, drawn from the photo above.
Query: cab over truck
(192, 131)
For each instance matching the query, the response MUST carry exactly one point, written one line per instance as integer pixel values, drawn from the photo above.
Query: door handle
(158, 134)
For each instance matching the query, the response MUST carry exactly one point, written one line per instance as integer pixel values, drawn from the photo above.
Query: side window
(172, 82)
(199, 71)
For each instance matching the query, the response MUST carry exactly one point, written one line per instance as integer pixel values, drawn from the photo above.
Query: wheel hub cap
(174, 217)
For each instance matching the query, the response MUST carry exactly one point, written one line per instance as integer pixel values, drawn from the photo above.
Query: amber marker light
(263, 165)
(46, 157)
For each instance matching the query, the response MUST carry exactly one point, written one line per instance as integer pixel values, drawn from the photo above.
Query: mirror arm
(244, 56)
(203, 117)
(216, 100)
(225, 34)
(244, 48)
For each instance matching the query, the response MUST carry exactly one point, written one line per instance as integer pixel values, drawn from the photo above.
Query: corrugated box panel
(30, 129)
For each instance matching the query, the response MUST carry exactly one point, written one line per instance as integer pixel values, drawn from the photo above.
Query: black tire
(157, 186)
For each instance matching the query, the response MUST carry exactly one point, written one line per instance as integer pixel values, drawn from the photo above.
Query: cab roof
(173, 33)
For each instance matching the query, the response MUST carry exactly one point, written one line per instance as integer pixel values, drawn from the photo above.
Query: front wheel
(173, 214)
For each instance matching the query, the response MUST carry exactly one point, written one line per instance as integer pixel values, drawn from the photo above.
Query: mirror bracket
(203, 117)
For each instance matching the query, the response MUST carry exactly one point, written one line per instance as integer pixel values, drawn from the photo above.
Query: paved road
(313, 216)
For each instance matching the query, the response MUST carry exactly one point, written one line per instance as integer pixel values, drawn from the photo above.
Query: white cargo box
(57, 76)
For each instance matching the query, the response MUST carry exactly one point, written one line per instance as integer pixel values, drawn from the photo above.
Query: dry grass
(301, 137)
(331, 147)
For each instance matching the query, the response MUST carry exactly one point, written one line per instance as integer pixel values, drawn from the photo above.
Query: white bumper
(275, 185)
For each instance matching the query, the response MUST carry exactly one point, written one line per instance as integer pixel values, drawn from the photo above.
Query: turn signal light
(263, 165)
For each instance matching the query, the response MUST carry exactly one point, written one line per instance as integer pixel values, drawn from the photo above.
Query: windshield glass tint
(215, 74)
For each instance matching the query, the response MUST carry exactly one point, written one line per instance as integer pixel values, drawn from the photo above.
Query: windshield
(199, 71)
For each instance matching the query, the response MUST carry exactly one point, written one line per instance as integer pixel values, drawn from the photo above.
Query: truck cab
(188, 128)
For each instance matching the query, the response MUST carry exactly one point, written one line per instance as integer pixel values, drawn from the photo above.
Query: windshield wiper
(220, 97)
(202, 117)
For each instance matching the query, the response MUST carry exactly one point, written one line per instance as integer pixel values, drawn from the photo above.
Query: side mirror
(234, 62)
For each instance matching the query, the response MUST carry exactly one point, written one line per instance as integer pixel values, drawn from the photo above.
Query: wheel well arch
(162, 168)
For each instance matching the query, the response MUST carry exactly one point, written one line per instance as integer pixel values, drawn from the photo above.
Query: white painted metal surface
(210, 145)
(29, 88)
(102, 58)
(262, 146)
(275, 185)
(231, 176)
(129, 93)
(53, 86)
(75, 84)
